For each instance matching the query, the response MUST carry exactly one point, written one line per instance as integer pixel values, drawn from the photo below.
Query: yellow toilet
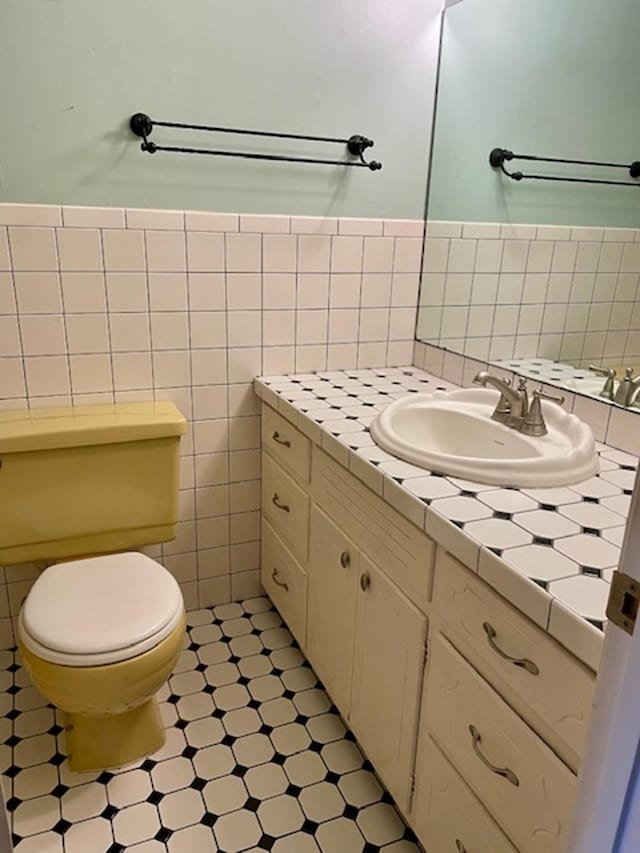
(99, 635)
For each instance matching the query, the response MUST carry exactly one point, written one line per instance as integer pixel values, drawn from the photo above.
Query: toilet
(103, 625)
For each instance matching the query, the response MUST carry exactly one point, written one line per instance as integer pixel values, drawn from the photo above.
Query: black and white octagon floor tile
(257, 758)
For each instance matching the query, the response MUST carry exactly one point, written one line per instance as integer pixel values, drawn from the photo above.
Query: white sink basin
(451, 432)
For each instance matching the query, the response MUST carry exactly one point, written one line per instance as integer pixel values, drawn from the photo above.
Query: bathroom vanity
(437, 651)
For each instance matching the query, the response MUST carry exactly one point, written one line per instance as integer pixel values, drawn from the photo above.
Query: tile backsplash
(502, 291)
(101, 305)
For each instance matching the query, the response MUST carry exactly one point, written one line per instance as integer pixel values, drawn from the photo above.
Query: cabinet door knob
(505, 772)
(283, 441)
(276, 501)
(525, 663)
(345, 559)
(365, 581)
(274, 578)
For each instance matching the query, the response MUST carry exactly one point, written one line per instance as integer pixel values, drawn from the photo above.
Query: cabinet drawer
(285, 583)
(286, 506)
(481, 736)
(446, 815)
(287, 444)
(546, 685)
(405, 552)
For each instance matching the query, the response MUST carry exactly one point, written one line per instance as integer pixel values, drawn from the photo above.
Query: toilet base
(99, 743)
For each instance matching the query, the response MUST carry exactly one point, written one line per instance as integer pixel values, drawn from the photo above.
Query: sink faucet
(513, 405)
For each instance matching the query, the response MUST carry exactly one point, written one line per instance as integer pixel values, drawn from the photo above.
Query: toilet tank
(87, 480)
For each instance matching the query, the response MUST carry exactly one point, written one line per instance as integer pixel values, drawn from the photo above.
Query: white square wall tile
(131, 371)
(91, 373)
(206, 291)
(346, 254)
(38, 292)
(244, 328)
(83, 292)
(33, 248)
(378, 254)
(407, 255)
(126, 291)
(166, 251)
(47, 376)
(244, 291)
(129, 332)
(243, 252)
(124, 251)
(205, 252)
(279, 253)
(79, 249)
(168, 292)
(312, 290)
(170, 330)
(314, 253)
(42, 335)
(87, 333)
(12, 378)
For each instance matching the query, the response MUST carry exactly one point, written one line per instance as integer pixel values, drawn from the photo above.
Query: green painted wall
(73, 71)
(555, 77)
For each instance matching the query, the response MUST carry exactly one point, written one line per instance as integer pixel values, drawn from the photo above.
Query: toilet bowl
(99, 637)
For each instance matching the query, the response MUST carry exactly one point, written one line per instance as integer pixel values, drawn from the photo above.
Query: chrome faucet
(513, 405)
(609, 387)
(626, 389)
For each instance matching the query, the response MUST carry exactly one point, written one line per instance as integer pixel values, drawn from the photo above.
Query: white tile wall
(102, 304)
(498, 291)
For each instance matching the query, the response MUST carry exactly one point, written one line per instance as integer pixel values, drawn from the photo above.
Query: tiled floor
(256, 758)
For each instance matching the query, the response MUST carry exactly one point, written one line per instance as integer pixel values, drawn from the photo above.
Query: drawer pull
(275, 500)
(345, 559)
(283, 441)
(476, 740)
(274, 578)
(460, 848)
(365, 581)
(525, 663)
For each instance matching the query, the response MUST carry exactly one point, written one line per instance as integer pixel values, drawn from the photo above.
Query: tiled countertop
(550, 552)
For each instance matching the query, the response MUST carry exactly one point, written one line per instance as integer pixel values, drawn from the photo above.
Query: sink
(451, 432)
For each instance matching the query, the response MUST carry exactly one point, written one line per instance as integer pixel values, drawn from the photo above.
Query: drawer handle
(525, 663)
(345, 559)
(365, 581)
(460, 848)
(283, 441)
(274, 578)
(509, 775)
(275, 500)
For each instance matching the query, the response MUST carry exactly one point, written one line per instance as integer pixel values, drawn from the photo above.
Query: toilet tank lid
(78, 426)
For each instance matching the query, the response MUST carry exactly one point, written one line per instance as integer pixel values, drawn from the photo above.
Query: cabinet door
(446, 816)
(387, 677)
(332, 579)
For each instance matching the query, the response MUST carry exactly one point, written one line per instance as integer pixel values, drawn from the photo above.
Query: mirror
(539, 276)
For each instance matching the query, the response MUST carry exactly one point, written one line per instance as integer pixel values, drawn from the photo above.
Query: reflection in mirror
(540, 276)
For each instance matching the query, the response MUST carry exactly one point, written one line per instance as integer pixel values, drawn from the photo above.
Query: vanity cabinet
(366, 641)
(473, 716)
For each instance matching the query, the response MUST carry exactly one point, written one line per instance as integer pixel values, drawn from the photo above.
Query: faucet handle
(541, 394)
(609, 372)
(628, 372)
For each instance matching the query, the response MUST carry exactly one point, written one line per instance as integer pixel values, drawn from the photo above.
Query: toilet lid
(100, 610)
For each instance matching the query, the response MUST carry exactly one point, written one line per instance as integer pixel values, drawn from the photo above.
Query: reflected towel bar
(498, 157)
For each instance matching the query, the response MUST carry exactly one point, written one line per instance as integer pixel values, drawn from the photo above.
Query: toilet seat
(100, 610)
